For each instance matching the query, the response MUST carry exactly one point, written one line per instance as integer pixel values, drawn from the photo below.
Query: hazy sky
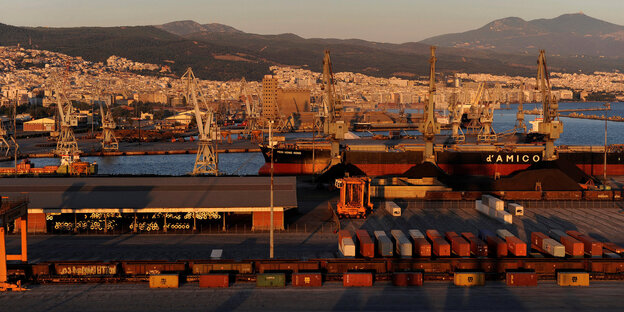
(385, 21)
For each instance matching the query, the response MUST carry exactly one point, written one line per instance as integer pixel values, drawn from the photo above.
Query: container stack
(441, 248)
(345, 243)
(515, 245)
(493, 208)
(422, 248)
(496, 246)
(573, 247)
(592, 246)
(515, 209)
(477, 247)
(459, 245)
(403, 245)
(384, 244)
(392, 208)
(543, 243)
(366, 244)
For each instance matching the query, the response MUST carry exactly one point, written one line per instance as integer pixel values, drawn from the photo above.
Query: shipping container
(598, 195)
(493, 202)
(347, 247)
(563, 195)
(312, 279)
(407, 279)
(482, 208)
(502, 233)
(422, 248)
(403, 247)
(365, 244)
(553, 248)
(613, 247)
(469, 278)
(416, 234)
(357, 279)
(592, 246)
(573, 278)
(516, 246)
(231, 267)
(431, 234)
(458, 245)
(392, 208)
(573, 247)
(521, 278)
(478, 247)
(271, 280)
(471, 195)
(443, 195)
(515, 209)
(164, 281)
(557, 234)
(441, 247)
(152, 267)
(503, 216)
(496, 246)
(537, 239)
(41, 269)
(523, 195)
(214, 280)
(384, 244)
(85, 268)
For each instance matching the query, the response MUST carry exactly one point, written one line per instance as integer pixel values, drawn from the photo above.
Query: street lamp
(271, 228)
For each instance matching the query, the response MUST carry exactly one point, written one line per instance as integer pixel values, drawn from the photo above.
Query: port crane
(456, 112)
(207, 159)
(520, 125)
(333, 123)
(429, 127)
(252, 117)
(486, 132)
(6, 136)
(66, 145)
(474, 111)
(109, 140)
(551, 127)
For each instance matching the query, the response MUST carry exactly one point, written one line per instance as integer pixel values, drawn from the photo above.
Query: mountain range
(574, 42)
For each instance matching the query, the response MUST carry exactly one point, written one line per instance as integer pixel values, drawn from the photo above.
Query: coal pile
(570, 169)
(550, 179)
(340, 171)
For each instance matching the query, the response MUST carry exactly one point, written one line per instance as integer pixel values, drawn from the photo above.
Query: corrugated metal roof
(152, 192)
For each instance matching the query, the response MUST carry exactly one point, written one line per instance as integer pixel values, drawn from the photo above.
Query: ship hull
(483, 163)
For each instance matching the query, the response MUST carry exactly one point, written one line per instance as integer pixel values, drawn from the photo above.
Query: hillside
(566, 35)
(182, 28)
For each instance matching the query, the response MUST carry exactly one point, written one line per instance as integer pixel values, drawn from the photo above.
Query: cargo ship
(484, 160)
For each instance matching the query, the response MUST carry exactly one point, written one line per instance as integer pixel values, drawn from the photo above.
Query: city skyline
(395, 21)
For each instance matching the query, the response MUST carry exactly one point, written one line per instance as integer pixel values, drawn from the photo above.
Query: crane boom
(429, 127)
(550, 127)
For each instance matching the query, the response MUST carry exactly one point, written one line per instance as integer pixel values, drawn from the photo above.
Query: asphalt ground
(433, 296)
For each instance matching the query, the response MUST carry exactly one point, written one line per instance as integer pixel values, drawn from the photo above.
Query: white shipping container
(515, 209)
(504, 216)
(553, 248)
(403, 245)
(416, 234)
(392, 208)
(502, 233)
(493, 202)
(484, 209)
(347, 247)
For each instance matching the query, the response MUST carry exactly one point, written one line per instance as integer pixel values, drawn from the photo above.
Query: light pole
(604, 168)
(271, 245)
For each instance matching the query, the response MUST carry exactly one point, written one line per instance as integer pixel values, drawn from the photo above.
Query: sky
(393, 21)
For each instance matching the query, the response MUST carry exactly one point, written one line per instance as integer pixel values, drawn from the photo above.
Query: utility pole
(271, 229)
(604, 168)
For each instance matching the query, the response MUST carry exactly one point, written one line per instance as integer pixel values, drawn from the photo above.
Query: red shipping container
(366, 244)
(359, 279)
(441, 248)
(214, 280)
(459, 245)
(478, 247)
(613, 247)
(572, 246)
(516, 246)
(307, 279)
(422, 248)
(407, 279)
(497, 246)
(521, 279)
(592, 246)
(431, 234)
(537, 240)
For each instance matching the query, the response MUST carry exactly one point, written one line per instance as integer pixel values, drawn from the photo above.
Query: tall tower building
(269, 97)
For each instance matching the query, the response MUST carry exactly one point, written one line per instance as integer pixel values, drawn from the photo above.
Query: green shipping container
(271, 280)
